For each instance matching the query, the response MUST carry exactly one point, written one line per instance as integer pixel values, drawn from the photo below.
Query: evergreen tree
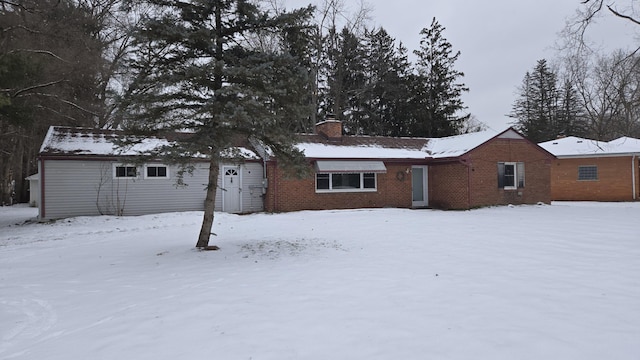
(571, 118)
(437, 92)
(345, 81)
(195, 71)
(543, 111)
(386, 89)
(51, 58)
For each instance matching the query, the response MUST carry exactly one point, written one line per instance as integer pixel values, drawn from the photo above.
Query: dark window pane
(120, 171)
(322, 181)
(369, 181)
(152, 171)
(345, 181)
(509, 175)
(131, 171)
(162, 171)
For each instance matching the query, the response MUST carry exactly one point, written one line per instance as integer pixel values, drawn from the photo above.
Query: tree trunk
(209, 204)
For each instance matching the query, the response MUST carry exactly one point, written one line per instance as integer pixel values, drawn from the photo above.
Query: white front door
(420, 192)
(231, 190)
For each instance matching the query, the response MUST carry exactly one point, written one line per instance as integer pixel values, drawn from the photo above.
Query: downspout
(633, 176)
(41, 207)
(468, 165)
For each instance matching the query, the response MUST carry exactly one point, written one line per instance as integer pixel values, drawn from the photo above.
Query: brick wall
(448, 186)
(291, 194)
(614, 179)
(449, 183)
(329, 128)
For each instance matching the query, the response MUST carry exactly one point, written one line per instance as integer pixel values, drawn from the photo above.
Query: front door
(419, 187)
(231, 190)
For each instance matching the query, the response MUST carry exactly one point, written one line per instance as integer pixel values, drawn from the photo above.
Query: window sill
(345, 191)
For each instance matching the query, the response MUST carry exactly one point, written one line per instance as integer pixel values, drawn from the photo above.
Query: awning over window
(337, 166)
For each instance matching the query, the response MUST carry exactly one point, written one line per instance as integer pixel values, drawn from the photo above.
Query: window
(345, 182)
(156, 172)
(125, 171)
(588, 172)
(510, 175)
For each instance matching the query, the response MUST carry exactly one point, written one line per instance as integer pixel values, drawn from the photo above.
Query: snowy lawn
(525, 282)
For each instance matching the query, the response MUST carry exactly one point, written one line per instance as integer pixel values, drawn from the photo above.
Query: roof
(62, 140)
(68, 141)
(378, 147)
(580, 147)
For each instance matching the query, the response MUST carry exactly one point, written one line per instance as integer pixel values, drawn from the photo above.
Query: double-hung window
(345, 182)
(510, 175)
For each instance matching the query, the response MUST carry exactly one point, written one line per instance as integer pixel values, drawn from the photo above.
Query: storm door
(419, 189)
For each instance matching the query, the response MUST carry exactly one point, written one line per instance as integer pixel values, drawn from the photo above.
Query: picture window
(345, 182)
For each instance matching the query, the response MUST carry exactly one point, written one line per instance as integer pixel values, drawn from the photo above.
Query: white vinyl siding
(86, 188)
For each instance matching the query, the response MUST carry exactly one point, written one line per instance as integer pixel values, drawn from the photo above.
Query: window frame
(518, 175)
(146, 172)
(115, 171)
(362, 188)
(591, 167)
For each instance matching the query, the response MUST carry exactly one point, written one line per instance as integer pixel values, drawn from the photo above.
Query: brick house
(457, 172)
(592, 170)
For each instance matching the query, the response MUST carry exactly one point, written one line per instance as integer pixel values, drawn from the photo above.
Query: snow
(576, 146)
(82, 141)
(553, 281)
(436, 148)
(454, 146)
(327, 151)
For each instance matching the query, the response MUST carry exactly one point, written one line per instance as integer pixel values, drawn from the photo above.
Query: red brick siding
(613, 184)
(448, 186)
(449, 183)
(290, 194)
(330, 128)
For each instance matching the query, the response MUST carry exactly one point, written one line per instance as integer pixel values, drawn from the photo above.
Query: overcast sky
(500, 40)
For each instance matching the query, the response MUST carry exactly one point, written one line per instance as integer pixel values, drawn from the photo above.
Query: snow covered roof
(62, 140)
(377, 147)
(575, 146)
(454, 146)
(363, 147)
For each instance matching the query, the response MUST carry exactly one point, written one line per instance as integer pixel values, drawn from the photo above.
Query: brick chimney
(330, 128)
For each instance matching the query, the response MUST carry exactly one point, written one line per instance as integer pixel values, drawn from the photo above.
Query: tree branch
(626, 17)
(39, 86)
(45, 52)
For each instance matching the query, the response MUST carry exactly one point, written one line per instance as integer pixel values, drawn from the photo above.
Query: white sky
(500, 40)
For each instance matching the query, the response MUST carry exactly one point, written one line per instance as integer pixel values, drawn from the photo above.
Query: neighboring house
(457, 172)
(34, 189)
(595, 170)
(82, 172)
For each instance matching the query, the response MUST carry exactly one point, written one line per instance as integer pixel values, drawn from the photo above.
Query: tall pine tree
(543, 110)
(195, 72)
(437, 90)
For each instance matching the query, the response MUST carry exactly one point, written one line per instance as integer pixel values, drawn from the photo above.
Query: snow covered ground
(524, 282)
